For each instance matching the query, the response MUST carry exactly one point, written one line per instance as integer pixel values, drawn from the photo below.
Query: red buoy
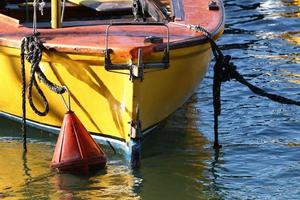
(76, 151)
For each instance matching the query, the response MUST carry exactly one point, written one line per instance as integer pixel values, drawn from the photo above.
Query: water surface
(260, 158)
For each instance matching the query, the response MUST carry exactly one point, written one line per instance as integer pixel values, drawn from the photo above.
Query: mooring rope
(31, 50)
(225, 70)
(23, 73)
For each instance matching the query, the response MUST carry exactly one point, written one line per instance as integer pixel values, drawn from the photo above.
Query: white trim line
(100, 139)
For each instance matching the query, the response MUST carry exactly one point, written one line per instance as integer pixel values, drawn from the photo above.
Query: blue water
(260, 158)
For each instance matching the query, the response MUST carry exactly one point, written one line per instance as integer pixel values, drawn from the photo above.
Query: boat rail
(137, 70)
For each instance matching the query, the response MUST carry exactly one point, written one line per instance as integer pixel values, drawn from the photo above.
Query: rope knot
(228, 69)
(31, 46)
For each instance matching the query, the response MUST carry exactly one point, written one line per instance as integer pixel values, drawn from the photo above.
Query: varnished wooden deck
(91, 39)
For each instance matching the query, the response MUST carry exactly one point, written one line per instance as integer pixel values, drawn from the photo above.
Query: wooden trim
(190, 38)
(9, 20)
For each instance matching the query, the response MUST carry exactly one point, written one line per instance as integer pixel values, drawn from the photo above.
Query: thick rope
(224, 70)
(23, 76)
(31, 50)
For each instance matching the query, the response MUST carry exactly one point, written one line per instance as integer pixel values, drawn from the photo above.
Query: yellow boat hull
(105, 101)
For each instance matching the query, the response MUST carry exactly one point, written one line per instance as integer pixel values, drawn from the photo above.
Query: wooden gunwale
(196, 40)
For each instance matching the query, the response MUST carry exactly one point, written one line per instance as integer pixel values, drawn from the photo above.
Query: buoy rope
(31, 50)
(225, 70)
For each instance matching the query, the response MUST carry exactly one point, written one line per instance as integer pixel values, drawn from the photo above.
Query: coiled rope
(31, 50)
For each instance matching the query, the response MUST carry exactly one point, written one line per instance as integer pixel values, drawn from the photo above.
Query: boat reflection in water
(177, 160)
(175, 166)
(293, 74)
(280, 17)
(293, 37)
(30, 177)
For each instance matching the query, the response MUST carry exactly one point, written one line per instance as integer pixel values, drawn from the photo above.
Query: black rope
(31, 50)
(23, 74)
(259, 91)
(224, 70)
